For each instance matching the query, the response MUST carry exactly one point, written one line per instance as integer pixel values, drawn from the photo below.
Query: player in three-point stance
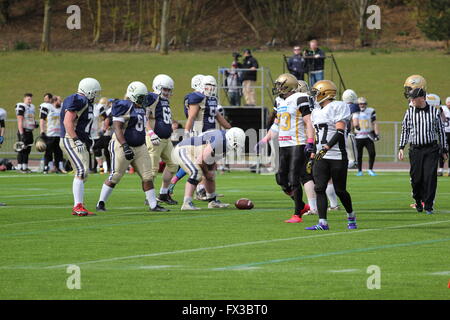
(127, 145)
(159, 129)
(197, 155)
(76, 122)
(330, 118)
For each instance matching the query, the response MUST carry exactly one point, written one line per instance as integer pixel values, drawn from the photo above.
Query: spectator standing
(446, 116)
(26, 123)
(233, 83)
(249, 78)
(315, 58)
(296, 64)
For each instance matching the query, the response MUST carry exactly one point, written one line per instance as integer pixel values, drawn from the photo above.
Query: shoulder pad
(195, 98)
(120, 107)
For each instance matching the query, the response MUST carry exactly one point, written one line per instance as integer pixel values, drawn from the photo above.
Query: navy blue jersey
(85, 116)
(354, 108)
(216, 138)
(133, 118)
(160, 115)
(206, 117)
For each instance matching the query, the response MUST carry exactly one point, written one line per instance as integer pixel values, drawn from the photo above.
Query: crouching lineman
(198, 155)
(127, 145)
(330, 119)
(76, 121)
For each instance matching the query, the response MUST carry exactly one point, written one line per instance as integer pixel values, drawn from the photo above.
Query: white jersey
(28, 113)
(324, 121)
(365, 120)
(110, 130)
(2, 114)
(290, 125)
(446, 112)
(99, 113)
(53, 116)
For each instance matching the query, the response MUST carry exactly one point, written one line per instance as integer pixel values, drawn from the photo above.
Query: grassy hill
(379, 77)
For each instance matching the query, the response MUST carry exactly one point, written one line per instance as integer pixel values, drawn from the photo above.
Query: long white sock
(106, 192)
(151, 198)
(78, 190)
(187, 199)
(61, 165)
(351, 215)
(331, 194)
(323, 221)
(311, 194)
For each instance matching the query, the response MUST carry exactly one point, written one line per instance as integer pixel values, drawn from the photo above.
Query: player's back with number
(206, 117)
(160, 115)
(133, 118)
(84, 110)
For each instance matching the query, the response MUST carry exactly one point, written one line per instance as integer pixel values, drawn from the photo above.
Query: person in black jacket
(249, 78)
(296, 64)
(315, 59)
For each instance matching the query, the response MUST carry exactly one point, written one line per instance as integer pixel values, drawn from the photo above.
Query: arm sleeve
(2, 123)
(44, 113)
(304, 106)
(374, 116)
(404, 136)
(20, 110)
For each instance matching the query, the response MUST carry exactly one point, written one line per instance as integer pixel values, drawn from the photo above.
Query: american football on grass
(244, 204)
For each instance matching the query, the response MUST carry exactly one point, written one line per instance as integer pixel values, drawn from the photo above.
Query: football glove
(1, 139)
(376, 137)
(320, 154)
(154, 137)
(21, 137)
(310, 148)
(43, 135)
(309, 166)
(81, 147)
(129, 154)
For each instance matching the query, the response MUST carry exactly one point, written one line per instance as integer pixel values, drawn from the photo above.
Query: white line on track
(233, 245)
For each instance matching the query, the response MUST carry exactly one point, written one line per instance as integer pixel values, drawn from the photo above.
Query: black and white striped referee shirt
(422, 126)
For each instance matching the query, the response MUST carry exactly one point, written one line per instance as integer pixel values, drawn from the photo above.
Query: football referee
(423, 129)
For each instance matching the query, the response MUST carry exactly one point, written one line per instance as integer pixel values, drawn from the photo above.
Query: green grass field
(129, 253)
(378, 77)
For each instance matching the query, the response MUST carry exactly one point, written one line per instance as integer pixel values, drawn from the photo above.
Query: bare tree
(45, 43)
(164, 31)
(96, 18)
(154, 15)
(359, 8)
(246, 20)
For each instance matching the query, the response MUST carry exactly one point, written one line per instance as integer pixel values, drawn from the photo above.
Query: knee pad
(193, 181)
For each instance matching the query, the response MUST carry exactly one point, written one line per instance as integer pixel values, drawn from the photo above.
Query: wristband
(310, 140)
(150, 132)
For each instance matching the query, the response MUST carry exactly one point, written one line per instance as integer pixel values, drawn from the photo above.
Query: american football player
(367, 131)
(26, 123)
(198, 155)
(127, 145)
(76, 122)
(446, 116)
(330, 118)
(159, 131)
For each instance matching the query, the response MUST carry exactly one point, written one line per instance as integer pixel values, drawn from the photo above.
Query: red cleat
(305, 209)
(81, 211)
(294, 219)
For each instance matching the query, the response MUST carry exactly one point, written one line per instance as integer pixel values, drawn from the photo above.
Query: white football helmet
(433, 100)
(209, 86)
(196, 82)
(136, 92)
(90, 88)
(163, 85)
(235, 139)
(349, 96)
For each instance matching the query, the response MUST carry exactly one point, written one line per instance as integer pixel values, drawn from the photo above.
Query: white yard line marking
(344, 270)
(233, 245)
(441, 273)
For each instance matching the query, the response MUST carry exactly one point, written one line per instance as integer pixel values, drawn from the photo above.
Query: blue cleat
(318, 227)
(429, 212)
(359, 174)
(371, 173)
(351, 223)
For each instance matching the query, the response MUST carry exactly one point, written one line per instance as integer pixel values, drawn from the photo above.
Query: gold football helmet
(41, 146)
(284, 84)
(303, 86)
(413, 82)
(324, 90)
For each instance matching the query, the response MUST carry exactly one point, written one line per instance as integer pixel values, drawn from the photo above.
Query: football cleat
(216, 204)
(81, 211)
(334, 208)
(351, 223)
(189, 206)
(294, 219)
(100, 206)
(201, 195)
(359, 174)
(318, 227)
(429, 211)
(158, 208)
(166, 198)
(371, 173)
(311, 212)
(306, 208)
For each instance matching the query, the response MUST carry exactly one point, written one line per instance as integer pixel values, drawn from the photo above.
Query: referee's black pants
(323, 170)
(424, 162)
